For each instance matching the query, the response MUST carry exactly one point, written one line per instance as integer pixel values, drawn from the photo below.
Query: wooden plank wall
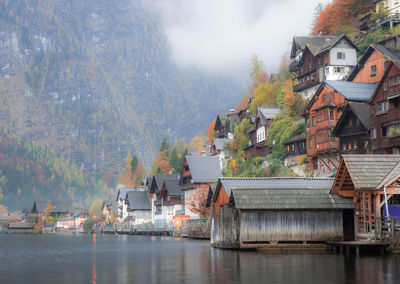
(290, 225)
(225, 228)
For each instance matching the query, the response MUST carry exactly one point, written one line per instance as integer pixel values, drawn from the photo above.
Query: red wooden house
(321, 114)
(365, 178)
(385, 112)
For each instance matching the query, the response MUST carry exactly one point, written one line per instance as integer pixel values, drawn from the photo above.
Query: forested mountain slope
(93, 79)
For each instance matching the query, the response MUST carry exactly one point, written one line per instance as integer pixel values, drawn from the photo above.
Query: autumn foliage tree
(211, 127)
(196, 202)
(133, 173)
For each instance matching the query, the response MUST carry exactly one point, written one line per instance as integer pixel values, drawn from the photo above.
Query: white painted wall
(260, 134)
(350, 58)
(392, 5)
(308, 93)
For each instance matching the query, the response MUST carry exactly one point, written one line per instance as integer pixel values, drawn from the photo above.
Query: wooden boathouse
(275, 215)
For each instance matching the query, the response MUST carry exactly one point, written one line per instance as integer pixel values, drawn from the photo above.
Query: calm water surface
(137, 259)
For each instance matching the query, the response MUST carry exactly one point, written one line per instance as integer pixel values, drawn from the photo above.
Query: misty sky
(221, 35)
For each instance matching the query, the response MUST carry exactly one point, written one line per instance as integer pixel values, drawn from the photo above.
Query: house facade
(385, 113)
(258, 134)
(198, 172)
(319, 58)
(352, 129)
(138, 207)
(171, 201)
(322, 114)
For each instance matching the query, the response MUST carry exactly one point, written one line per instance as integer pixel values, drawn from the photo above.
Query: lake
(142, 259)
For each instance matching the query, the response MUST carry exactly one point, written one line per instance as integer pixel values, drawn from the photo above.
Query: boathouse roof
(288, 198)
(272, 183)
(371, 171)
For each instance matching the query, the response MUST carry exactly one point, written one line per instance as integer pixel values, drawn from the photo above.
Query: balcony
(305, 85)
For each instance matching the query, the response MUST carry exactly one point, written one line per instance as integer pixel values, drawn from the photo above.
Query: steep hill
(93, 79)
(31, 172)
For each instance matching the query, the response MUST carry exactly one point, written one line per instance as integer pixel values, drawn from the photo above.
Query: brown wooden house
(364, 178)
(372, 65)
(258, 133)
(385, 112)
(319, 58)
(221, 127)
(352, 129)
(322, 114)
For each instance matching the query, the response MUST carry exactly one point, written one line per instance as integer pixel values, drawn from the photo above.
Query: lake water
(140, 259)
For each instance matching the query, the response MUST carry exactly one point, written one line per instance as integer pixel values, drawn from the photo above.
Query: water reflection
(127, 259)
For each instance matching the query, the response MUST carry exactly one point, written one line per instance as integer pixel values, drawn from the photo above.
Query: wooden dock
(358, 246)
(145, 230)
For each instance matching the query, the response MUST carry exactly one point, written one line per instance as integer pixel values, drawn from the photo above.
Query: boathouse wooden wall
(235, 228)
(290, 225)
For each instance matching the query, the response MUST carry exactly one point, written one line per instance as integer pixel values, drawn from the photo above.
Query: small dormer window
(373, 71)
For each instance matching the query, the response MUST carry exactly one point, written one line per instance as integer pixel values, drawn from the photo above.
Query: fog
(220, 36)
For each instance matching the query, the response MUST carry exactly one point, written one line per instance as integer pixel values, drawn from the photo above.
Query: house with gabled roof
(352, 129)
(366, 180)
(54, 207)
(322, 114)
(385, 112)
(270, 211)
(171, 196)
(258, 133)
(319, 58)
(138, 207)
(373, 63)
(198, 172)
(154, 191)
(221, 127)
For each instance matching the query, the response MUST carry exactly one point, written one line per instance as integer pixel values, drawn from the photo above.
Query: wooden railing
(387, 228)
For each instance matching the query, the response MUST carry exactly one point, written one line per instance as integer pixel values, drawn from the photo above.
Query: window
(373, 71)
(315, 140)
(332, 96)
(341, 55)
(310, 143)
(385, 87)
(325, 114)
(338, 69)
(382, 106)
(324, 98)
(331, 117)
(326, 70)
(373, 133)
(350, 123)
(313, 121)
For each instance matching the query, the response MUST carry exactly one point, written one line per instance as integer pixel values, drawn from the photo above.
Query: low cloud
(220, 36)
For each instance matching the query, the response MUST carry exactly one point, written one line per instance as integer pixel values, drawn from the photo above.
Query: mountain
(93, 79)
(31, 172)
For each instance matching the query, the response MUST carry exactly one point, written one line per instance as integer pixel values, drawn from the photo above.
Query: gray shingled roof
(313, 42)
(159, 179)
(352, 91)
(266, 113)
(122, 192)
(295, 139)
(57, 206)
(368, 171)
(219, 143)
(394, 174)
(138, 200)
(173, 187)
(289, 198)
(361, 110)
(204, 168)
(273, 183)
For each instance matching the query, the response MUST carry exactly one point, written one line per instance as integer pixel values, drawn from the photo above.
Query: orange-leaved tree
(196, 202)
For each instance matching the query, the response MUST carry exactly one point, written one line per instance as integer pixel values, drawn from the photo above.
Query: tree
(257, 74)
(175, 162)
(95, 208)
(164, 145)
(211, 127)
(196, 144)
(88, 225)
(197, 201)
(134, 163)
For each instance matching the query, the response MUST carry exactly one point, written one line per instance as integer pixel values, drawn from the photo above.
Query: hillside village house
(295, 149)
(364, 179)
(138, 207)
(372, 65)
(319, 58)
(385, 112)
(219, 147)
(122, 206)
(171, 200)
(254, 217)
(109, 209)
(258, 133)
(392, 8)
(322, 114)
(54, 208)
(221, 127)
(198, 172)
(352, 129)
(154, 191)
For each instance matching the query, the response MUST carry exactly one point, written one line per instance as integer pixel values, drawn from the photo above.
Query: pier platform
(358, 246)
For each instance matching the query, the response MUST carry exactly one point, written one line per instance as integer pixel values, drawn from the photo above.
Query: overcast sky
(220, 36)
